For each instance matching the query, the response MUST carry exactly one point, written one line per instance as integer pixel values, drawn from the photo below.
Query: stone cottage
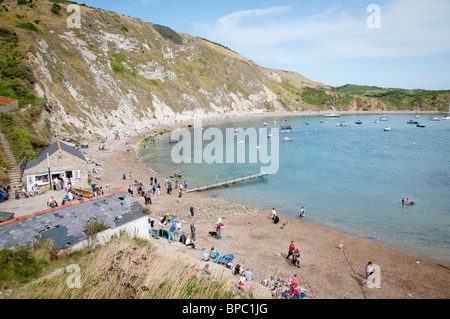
(61, 161)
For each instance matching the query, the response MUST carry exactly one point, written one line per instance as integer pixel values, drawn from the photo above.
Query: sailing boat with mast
(334, 108)
(435, 118)
(418, 111)
(385, 117)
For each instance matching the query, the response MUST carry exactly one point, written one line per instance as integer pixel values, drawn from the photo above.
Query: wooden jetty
(230, 182)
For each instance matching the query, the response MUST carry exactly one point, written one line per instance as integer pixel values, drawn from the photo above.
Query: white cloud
(409, 28)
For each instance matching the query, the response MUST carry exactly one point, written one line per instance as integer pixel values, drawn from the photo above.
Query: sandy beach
(260, 245)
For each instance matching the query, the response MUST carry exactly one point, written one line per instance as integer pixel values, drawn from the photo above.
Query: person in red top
(291, 249)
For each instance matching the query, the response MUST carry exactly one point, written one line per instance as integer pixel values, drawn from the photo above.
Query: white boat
(236, 131)
(375, 121)
(434, 118)
(269, 136)
(287, 139)
(274, 122)
(387, 128)
(342, 123)
(265, 124)
(257, 147)
(334, 107)
(418, 111)
(384, 118)
(240, 142)
(284, 131)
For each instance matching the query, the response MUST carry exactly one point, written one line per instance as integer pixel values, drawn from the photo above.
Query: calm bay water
(349, 178)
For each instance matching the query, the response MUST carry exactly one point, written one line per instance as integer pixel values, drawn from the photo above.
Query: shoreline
(326, 272)
(170, 127)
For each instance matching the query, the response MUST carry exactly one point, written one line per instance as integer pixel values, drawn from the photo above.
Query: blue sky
(400, 43)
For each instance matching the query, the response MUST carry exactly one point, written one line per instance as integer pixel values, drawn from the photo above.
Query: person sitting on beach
(206, 272)
(189, 242)
(276, 220)
(248, 275)
(205, 256)
(183, 238)
(24, 192)
(213, 254)
(237, 270)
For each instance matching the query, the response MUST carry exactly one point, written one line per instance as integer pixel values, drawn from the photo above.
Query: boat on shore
(384, 118)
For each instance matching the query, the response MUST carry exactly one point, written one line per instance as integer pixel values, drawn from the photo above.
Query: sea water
(349, 178)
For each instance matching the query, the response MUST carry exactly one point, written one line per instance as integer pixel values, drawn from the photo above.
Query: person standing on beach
(291, 249)
(178, 227)
(192, 211)
(193, 232)
(171, 231)
(302, 213)
(274, 213)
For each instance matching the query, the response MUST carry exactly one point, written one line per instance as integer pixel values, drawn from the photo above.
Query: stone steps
(14, 173)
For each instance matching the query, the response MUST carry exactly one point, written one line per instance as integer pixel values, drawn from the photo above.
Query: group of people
(285, 289)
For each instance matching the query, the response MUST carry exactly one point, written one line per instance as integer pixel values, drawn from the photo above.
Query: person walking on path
(291, 249)
(193, 232)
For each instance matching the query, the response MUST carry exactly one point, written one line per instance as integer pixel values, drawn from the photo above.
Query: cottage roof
(67, 224)
(58, 145)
